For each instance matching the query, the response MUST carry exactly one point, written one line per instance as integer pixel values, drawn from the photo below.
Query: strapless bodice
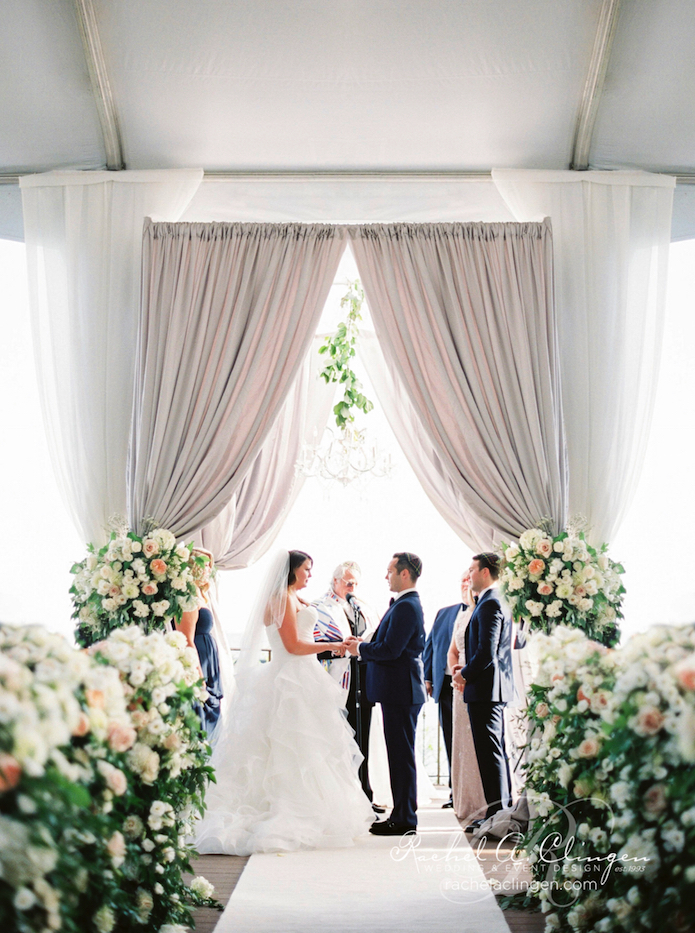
(306, 620)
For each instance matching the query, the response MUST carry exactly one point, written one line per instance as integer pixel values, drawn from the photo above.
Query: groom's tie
(392, 601)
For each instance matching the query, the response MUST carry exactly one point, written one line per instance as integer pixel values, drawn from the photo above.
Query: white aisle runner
(381, 885)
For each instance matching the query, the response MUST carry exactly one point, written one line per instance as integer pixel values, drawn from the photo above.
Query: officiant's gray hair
(346, 565)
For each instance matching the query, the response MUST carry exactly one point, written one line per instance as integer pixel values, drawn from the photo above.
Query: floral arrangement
(92, 818)
(610, 771)
(562, 580)
(143, 580)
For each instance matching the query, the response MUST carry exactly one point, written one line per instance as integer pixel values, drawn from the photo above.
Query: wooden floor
(495, 859)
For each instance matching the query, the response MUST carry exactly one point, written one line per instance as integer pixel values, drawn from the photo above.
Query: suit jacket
(488, 670)
(437, 647)
(394, 655)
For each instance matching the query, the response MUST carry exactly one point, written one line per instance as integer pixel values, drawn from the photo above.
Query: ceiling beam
(593, 88)
(101, 85)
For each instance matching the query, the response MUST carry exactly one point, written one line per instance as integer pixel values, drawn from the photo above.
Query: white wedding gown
(286, 761)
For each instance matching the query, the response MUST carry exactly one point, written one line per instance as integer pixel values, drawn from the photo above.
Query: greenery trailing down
(341, 349)
(610, 773)
(102, 768)
(562, 580)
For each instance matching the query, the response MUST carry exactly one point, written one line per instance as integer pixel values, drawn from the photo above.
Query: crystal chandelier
(344, 457)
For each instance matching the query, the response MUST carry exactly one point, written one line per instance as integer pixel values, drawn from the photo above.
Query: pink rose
(685, 672)
(116, 781)
(580, 591)
(542, 710)
(116, 849)
(545, 589)
(114, 590)
(655, 799)
(149, 589)
(121, 736)
(150, 547)
(10, 772)
(158, 566)
(536, 566)
(544, 547)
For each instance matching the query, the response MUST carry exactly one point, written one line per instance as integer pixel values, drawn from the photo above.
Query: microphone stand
(358, 676)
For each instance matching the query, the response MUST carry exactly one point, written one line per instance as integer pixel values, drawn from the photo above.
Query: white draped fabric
(84, 243)
(228, 314)
(245, 529)
(443, 493)
(611, 234)
(464, 314)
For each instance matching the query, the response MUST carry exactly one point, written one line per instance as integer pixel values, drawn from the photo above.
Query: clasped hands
(457, 681)
(349, 646)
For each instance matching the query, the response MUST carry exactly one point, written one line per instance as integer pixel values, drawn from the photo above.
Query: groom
(395, 679)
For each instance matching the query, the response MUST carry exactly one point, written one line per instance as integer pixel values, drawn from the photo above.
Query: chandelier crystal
(343, 457)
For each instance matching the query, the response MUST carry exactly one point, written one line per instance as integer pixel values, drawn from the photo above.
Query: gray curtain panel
(465, 317)
(228, 314)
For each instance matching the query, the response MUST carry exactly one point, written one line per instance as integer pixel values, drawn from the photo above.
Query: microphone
(360, 624)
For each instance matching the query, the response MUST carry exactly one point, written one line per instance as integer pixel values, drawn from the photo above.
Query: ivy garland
(341, 349)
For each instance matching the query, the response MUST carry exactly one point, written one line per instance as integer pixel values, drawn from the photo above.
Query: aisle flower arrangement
(562, 580)
(92, 818)
(610, 771)
(147, 581)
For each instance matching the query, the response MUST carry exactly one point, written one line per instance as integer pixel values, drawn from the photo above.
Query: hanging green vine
(341, 348)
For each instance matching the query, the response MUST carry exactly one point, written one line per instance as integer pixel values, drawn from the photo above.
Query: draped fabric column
(84, 244)
(248, 525)
(464, 315)
(228, 314)
(611, 233)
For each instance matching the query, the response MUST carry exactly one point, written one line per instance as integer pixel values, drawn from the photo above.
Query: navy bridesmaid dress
(210, 662)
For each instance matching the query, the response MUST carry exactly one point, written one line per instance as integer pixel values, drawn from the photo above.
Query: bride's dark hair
(297, 558)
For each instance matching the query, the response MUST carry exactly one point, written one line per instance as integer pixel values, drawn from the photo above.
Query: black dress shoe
(377, 808)
(389, 828)
(474, 825)
(448, 805)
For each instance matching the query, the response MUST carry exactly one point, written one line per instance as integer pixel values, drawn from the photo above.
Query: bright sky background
(38, 543)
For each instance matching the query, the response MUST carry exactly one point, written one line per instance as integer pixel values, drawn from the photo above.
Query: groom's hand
(351, 644)
(456, 679)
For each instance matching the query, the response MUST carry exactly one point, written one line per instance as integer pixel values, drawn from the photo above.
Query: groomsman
(438, 674)
(488, 681)
(395, 679)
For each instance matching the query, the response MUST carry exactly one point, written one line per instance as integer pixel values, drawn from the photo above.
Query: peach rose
(116, 849)
(545, 589)
(158, 566)
(536, 566)
(82, 727)
(685, 672)
(544, 547)
(149, 589)
(95, 699)
(649, 720)
(116, 781)
(600, 700)
(150, 547)
(582, 695)
(121, 736)
(10, 772)
(542, 710)
(588, 748)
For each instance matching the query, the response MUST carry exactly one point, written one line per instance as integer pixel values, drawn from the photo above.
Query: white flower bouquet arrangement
(146, 580)
(610, 771)
(72, 783)
(562, 580)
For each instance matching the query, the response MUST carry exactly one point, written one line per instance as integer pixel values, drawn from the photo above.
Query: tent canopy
(347, 85)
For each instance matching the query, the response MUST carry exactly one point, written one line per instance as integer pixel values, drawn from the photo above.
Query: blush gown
(286, 761)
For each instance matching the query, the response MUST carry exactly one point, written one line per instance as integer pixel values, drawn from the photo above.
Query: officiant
(341, 614)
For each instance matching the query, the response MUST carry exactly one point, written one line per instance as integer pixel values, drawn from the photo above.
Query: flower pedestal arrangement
(102, 769)
(562, 580)
(146, 581)
(610, 771)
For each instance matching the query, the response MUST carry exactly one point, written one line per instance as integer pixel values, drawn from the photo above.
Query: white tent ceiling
(347, 85)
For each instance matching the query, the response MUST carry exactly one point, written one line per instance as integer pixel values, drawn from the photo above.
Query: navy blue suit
(395, 680)
(489, 687)
(434, 659)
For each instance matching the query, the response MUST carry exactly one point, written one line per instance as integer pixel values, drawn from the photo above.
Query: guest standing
(488, 681)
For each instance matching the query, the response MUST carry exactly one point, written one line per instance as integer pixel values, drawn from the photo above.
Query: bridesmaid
(466, 786)
(197, 626)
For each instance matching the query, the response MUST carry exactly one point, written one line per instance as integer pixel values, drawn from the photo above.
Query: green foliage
(341, 350)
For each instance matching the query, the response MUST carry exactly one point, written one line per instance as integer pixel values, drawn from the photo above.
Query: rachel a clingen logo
(568, 870)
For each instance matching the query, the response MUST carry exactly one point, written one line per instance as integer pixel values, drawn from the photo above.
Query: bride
(285, 759)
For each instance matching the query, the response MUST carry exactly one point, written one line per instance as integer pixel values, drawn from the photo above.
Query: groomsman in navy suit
(438, 674)
(395, 680)
(488, 681)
